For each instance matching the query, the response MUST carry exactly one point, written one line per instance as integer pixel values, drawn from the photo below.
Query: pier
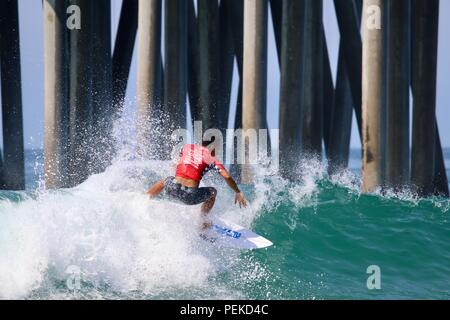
(187, 51)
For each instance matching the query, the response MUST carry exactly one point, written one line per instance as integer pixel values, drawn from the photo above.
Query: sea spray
(119, 239)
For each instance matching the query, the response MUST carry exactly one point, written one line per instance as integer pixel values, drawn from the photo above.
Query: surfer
(194, 162)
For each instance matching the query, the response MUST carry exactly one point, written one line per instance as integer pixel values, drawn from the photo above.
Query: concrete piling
(226, 63)
(328, 94)
(313, 93)
(193, 62)
(343, 106)
(349, 26)
(149, 76)
(276, 9)
(11, 89)
(56, 127)
(236, 10)
(102, 141)
(123, 52)
(341, 124)
(80, 94)
(175, 69)
(85, 85)
(255, 74)
(292, 65)
(209, 81)
(425, 21)
(440, 175)
(397, 85)
(372, 77)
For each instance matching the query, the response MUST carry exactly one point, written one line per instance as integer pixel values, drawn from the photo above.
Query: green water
(325, 234)
(323, 250)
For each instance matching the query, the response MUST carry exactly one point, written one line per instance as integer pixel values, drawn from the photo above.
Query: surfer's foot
(207, 225)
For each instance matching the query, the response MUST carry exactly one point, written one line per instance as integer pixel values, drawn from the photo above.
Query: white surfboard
(231, 235)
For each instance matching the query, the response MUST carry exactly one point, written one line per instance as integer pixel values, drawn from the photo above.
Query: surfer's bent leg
(204, 195)
(209, 203)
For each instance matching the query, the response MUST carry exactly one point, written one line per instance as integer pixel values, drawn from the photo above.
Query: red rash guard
(195, 161)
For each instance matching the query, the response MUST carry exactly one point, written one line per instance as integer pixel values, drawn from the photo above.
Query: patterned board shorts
(189, 196)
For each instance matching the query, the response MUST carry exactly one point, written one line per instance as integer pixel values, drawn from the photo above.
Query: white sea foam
(120, 241)
(115, 235)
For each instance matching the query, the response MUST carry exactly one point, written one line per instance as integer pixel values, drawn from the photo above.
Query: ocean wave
(105, 239)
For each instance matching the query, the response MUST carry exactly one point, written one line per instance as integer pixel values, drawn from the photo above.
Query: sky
(32, 54)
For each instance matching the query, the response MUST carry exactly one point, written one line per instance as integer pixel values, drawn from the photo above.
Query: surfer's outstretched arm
(156, 189)
(239, 198)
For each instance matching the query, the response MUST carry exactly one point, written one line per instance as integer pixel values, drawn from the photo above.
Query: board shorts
(186, 195)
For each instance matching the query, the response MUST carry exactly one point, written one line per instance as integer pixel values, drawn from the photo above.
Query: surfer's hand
(239, 198)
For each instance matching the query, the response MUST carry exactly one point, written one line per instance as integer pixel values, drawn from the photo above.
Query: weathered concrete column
(193, 62)
(425, 15)
(56, 126)
(276, 8)
(149, 94)
(328, 94)
(123, 52)
(11, 88)
(312, 100)
(102, 140)
(81, 75)
(226, 58)
(343, 105)
(208, 31)
(440, 177)
(236, 10)
(235, 167)
(341, 126)
(398, 80)
(2, 183)
(347, 13)
(255, 72)
(292, 64)
(175, 67)
(101, 59)
(372, 77)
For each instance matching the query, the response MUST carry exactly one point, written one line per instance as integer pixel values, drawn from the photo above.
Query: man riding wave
(194, 162)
